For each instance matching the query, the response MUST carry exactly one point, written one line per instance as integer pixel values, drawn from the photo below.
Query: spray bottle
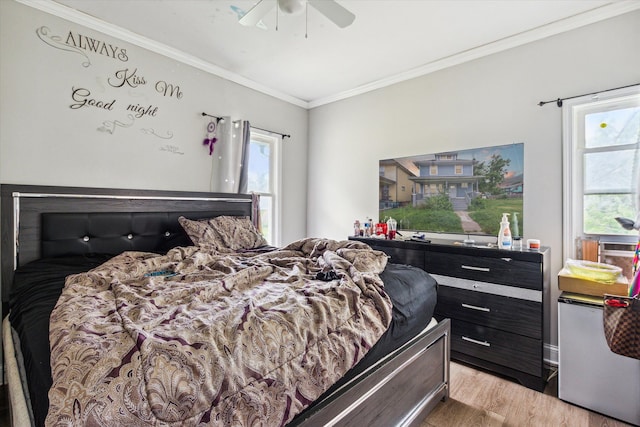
(504, 236)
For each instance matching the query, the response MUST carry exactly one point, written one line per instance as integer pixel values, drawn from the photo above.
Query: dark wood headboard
(22, 208)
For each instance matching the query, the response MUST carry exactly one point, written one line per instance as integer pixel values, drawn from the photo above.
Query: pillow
(225, 232)
(199, 231)
(237, 232)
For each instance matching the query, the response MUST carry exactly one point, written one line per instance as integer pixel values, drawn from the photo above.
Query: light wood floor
(481, 399)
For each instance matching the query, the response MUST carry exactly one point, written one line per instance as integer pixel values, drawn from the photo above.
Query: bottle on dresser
(504, 236)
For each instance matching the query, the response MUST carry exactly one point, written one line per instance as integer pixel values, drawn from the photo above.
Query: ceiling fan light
(291, 7)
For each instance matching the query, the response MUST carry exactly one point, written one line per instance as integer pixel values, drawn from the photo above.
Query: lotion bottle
(504, 236)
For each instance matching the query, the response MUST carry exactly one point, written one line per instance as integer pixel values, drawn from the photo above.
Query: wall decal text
(81, 97)
(168, 89)
(141, 110)
(130, 78)
(96, 46)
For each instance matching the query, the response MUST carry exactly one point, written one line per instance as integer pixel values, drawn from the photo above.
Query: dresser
(497, 300)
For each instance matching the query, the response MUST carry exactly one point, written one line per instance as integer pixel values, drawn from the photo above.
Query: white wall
(490, 101)
(45, 141)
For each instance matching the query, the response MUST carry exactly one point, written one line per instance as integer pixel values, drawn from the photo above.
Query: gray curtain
(231, 157)
(244, 167)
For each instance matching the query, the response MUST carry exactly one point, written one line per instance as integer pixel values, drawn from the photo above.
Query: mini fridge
(589, 373)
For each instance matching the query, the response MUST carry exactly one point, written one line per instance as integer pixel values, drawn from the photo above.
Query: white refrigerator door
(589, 373)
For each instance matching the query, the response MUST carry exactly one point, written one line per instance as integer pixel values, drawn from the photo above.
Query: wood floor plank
(479, 398)
(456, 413)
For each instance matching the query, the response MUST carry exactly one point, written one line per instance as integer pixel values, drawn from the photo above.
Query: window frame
(275, 181)
(573, 113)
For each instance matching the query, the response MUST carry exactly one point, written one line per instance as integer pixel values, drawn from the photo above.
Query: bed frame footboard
(398, 391)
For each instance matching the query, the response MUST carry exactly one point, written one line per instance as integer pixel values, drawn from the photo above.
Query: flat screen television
(462, 192)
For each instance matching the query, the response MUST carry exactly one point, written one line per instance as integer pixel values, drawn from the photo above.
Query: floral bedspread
(225, 339)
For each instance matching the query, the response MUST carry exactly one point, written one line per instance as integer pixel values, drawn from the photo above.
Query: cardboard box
(577, 285)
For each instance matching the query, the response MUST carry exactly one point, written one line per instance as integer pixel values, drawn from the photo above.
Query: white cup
(533, 244)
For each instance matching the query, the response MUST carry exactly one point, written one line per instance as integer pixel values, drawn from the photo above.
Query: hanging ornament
(211, 136)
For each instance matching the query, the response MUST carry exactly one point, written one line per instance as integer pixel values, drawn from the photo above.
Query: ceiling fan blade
(332, 10)
(257, 12)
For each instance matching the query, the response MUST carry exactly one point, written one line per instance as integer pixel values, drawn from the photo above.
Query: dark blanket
(36, 289)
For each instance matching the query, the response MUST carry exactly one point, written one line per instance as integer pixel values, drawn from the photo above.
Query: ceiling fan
(329, 8)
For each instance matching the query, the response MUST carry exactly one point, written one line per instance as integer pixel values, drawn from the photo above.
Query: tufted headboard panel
(66, 234)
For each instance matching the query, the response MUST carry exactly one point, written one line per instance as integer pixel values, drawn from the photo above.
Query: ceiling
(309, 61)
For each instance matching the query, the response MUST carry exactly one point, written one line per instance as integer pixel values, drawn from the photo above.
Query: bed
(51, 232)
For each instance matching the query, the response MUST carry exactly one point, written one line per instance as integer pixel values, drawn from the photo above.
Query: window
(458, 170)
(264, 179)
(433, 170)
(601, 167)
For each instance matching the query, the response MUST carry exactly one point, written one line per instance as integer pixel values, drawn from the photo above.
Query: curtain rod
(559, 100)
(283, 135)
(218, 119)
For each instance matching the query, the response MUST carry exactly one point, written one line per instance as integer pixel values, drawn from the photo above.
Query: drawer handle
(484, 343)
(471, 267)
(475, 307)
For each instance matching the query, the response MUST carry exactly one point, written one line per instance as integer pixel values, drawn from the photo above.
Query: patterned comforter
(230, 339)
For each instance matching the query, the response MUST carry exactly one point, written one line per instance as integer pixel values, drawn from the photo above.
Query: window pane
(611, 128)
(600, 211)
(266, 217)
(611, 170)
(259, 167)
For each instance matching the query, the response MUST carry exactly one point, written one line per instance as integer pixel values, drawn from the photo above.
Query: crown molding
(586, 18)
(597, 14)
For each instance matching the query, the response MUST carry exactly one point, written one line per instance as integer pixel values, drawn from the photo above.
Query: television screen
(459, 192)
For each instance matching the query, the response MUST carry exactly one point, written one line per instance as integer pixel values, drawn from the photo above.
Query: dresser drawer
(499, 312)
(510, 350)
(412, 257)
(505, 270)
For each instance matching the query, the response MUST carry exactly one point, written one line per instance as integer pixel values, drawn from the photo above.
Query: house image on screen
(396, 187)
(512, 185)
(446, 173)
